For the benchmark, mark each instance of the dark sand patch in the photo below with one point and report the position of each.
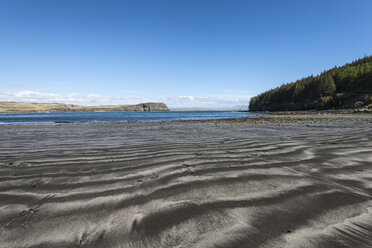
(188, 184)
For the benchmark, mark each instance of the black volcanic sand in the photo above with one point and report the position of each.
(187, 184)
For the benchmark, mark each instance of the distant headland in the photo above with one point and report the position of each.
(22, 107)
(344, 87)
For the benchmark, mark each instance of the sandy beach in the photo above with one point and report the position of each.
(264, 182)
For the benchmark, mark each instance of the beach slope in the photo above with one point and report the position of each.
(187, 184)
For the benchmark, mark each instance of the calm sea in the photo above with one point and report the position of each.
(114, 117)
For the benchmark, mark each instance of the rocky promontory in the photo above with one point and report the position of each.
(22, 107)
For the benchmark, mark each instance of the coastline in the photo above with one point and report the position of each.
(275, 118)
(293, 118)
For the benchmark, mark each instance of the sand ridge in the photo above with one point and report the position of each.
(186, 184)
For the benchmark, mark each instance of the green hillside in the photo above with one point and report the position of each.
(348, 86)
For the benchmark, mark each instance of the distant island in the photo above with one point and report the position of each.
(22, 107)
(348, 86)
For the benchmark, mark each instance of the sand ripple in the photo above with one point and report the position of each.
(186, 185)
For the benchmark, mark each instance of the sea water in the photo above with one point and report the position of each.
(115, 117)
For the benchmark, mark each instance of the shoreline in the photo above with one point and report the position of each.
(278, 118)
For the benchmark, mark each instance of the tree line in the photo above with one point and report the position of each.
(347, 86)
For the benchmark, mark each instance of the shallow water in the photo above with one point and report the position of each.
(115, 117)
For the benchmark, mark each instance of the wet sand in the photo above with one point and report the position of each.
(187, 184)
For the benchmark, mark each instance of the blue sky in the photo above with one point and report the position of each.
(186, 53)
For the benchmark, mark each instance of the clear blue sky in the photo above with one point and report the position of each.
(201, 53)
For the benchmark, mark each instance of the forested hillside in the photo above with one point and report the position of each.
(348, 86)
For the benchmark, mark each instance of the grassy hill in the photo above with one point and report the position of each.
(348, 86)
(21, 107)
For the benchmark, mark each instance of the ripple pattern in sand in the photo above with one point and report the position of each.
(185, 185)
